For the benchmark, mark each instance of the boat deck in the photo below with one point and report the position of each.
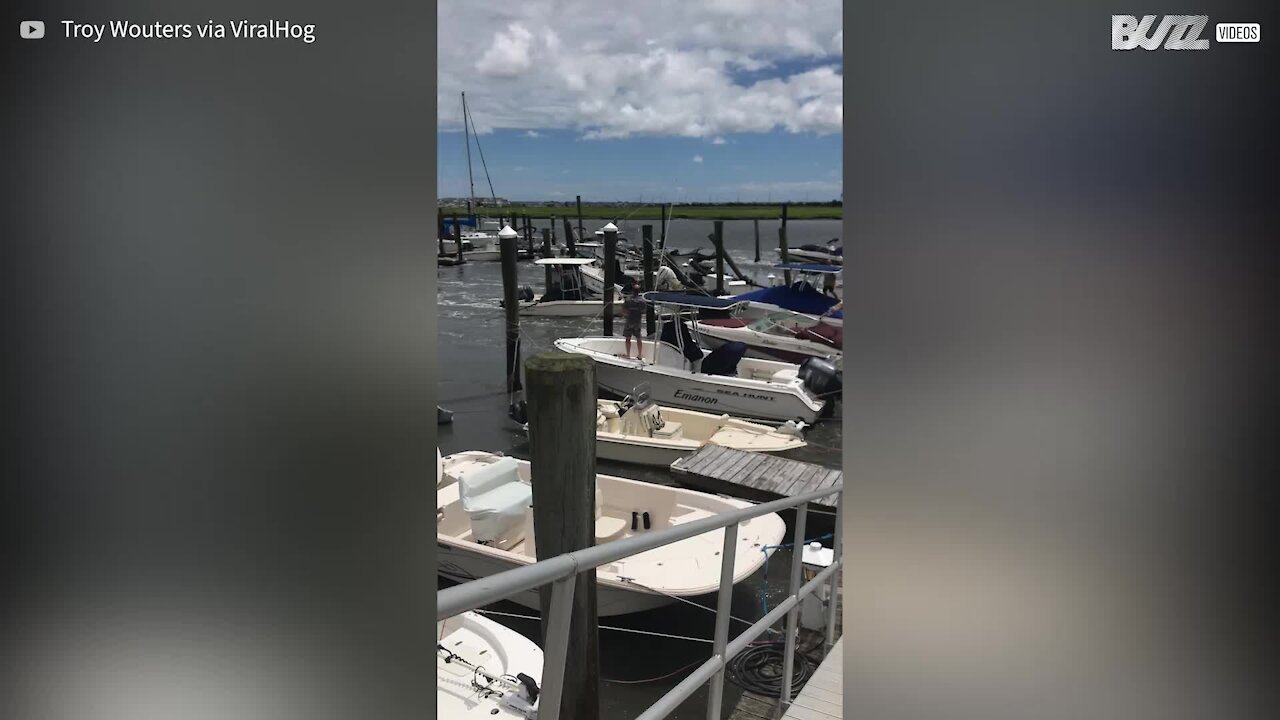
(754, 476)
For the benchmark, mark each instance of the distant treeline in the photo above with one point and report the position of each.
(831, 210)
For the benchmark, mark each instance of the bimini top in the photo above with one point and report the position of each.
(809, 267)
(804, 299)
(696, 301)
(563, 261)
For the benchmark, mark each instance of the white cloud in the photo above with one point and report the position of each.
(718, 141)
(532, 134)
(608, 70)
(697, 159)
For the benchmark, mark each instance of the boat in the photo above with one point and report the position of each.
(642, 432)
(799, 297)
(831, 254)
(485, 670)
(566, 295)
(782, 335)
(484, 525)
(680, 373)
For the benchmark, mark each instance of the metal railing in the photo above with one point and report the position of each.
(562, 572)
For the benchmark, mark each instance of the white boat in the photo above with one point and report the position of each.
(650, 434)
(593, 278)
(485, 670)
(799, 297)
(680, 373)
(832, 254)
(566, 296)
(484, 525)
(781, 335)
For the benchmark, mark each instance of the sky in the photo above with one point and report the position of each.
(655, 100)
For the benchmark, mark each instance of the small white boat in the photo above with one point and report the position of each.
(781, 335)
(799, 297)
(832, 254)
(593, 278)
(565, 297)
(680, 373)
(484, 525)
(649, 434)
(485, 670)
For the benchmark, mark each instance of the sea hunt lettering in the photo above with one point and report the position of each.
(273, 30)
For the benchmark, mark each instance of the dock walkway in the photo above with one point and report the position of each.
(754, 476)
(822, 697)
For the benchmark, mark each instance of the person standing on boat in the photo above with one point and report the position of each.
(633, 312)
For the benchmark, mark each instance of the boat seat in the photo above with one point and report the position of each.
(670, 430)
(495, 500)
(785, 375)
(609, 529)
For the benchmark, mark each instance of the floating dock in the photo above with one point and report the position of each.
(822, 697)
(754, 476)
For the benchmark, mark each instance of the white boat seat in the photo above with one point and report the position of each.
(495, 500)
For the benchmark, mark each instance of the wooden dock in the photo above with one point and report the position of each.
(754, 476)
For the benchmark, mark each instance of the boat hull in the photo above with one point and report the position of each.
(761, 345)
(460, 564)
(565, 308)
(668, 385)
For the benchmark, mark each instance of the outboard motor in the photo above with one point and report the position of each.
(821, 377)
(525, 294)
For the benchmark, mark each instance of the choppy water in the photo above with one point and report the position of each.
(472, 385)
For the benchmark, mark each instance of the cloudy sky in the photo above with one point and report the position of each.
(652, 99)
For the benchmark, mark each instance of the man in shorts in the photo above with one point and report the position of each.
(633, 314)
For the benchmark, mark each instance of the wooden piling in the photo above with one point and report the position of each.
(756, 226)
(580, 217)
(610, 273)
(562, 446)
(440, 231)
(650, 322)
(719, 243)
(457, 239)
(507, 244)
(546, 253)
(569, 249)
(782, 244)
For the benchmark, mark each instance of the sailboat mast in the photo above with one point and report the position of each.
(466, 135)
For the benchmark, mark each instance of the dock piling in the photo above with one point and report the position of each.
(580, 217)
(562, 438)
(507, 243)
(646, 232)
(569, 250)
(610, 273)
(782, 244)
(756, 226)
(718, 240)
(457, 239)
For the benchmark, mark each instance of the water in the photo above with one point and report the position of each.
(472, 385)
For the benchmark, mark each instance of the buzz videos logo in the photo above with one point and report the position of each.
(1175, 32)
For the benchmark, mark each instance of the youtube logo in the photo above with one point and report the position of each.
(31, 29)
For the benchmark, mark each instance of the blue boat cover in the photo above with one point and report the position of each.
(686, 300)
(804, 299)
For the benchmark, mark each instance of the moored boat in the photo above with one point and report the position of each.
(485, 670)
(484, 525)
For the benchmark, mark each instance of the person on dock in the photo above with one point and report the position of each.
(633, 311)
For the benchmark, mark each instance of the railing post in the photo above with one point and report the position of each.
(557, 651)
(724, 606)
(793, 615)
(833, 589)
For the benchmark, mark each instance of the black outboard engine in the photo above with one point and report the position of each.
(668, 335)
(525, 294)
(821, 377)
(724, 359)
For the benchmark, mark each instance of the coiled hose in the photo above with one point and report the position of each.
(758, 669)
